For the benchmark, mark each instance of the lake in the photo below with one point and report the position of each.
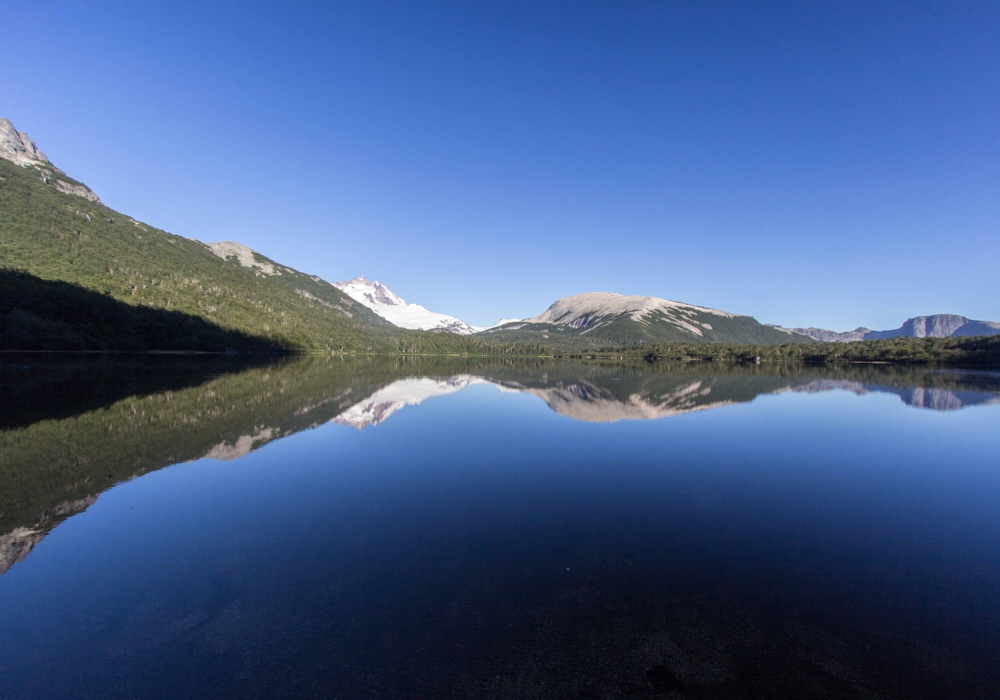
(175, 527)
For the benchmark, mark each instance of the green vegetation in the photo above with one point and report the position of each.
(58, 237)
(981, 351)
(44, 314)
(76, 275)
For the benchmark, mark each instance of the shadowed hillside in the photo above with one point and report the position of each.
(37, 314)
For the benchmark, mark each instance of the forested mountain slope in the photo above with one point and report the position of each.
(55, 235)
(126, 285)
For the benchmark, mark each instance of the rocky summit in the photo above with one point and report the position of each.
(17, 147)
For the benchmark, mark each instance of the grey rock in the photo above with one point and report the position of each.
(17, 147)
(78, 190)
(935, 326)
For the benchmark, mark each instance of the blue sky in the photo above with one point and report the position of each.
(830, 164)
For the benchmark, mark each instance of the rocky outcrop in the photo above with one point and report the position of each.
(78, 190)
(246, 257)
(17, 147)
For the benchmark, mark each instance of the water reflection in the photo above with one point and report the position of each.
(603, 394)
(463, 529)
(133, 416)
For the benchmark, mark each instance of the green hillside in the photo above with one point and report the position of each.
(131, 286)
(981, 351)
(58, 236)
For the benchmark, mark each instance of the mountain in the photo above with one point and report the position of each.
(380, 299)
(75, 274)
(936, 326)
(18, 148)
(602, 319)
(411, 391)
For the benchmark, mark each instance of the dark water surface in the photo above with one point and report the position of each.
(318, 527)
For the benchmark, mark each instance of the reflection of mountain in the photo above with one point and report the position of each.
(80, 438)
(61, 460)
(589, 403)
(599, 394)
(938, 399)
(403, 392)
(18, 543)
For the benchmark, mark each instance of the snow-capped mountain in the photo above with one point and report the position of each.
(380, 299)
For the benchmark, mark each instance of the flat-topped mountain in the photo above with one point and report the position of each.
(935, 326)
(380, 299)
(605, 319)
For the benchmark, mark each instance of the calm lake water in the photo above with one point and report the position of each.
(377, 528)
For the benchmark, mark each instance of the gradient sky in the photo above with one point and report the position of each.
(832, 164)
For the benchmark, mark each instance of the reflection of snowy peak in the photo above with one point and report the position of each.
(395, 310)
(405, 392)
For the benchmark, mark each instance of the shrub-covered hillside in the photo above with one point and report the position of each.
(213, 302)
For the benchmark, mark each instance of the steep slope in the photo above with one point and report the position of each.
(55, 229)
(602, 319)
(935, 326)
(380, 299)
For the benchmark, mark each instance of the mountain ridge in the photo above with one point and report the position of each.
(932, 326)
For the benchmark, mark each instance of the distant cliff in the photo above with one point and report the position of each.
(936, 326)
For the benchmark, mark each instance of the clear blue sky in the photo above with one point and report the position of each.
(808, 163)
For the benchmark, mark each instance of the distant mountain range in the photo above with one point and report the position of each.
(75, 274)
(936, 326)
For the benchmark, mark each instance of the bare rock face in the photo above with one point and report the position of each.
(936, 326)
(17, 147)
(78, 190)
(246, 257)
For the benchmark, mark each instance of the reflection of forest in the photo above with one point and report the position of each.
(75, 428)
